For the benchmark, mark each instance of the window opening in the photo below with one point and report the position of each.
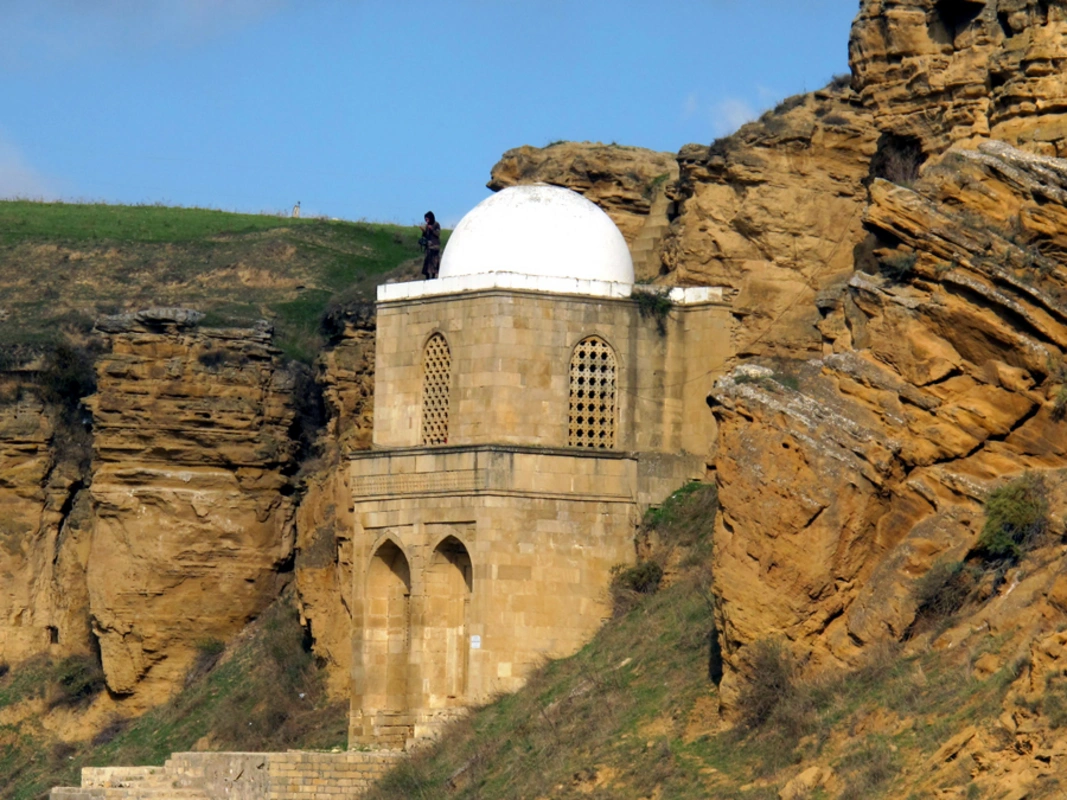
(436, 383)
(593, 395)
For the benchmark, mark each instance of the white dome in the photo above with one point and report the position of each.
(540, 230)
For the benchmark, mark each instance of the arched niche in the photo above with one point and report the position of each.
(446, 633)
(387, 630)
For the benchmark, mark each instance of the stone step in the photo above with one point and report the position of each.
(125, 793)
(123, 777)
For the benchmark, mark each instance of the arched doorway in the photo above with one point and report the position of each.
(387, 630)
(449, 582)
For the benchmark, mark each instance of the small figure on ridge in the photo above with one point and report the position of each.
(430, 241)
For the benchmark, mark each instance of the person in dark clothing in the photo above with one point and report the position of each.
(431, 241)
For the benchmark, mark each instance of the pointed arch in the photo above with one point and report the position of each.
(449, 586)
(387, 629)
(436, 389)
(593, 394)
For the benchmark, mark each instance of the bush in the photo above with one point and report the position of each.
(208, 653)
(628, 585)
(76, 681)
(841, 81)
(654, 305)
(115, 728)
(942, 591)
(1059, 405)
(898, 266)
(897, 159)
(68, 376)
(772, 681)
(868, 769)
(644, 578)
(1054, 700)
(1016, 519)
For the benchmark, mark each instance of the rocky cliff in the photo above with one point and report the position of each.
(943, 71)
(43, 533)
(894, 247)
(188, 521)
(191, 496)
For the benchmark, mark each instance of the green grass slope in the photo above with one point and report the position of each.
(633, 716)
(262, 693)
(63, 265)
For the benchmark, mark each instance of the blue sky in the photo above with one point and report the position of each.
(366, 109)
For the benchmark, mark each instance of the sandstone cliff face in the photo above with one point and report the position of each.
(193, 510)
(773, 212)
(44, 534)
(325, 520)
(191, 517)
(944, 71)
(843, 479)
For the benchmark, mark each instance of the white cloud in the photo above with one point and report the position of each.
(18, 178)
(691, 106)
(46, 31)
(768, 97)
(730, 114)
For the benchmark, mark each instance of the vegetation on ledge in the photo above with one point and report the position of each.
(64, 265)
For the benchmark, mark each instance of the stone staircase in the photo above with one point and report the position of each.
(645, 249)
(294, 775)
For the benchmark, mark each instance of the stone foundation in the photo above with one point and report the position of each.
(238, 776)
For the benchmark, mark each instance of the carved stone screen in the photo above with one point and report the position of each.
(436, 381)
(593, 395)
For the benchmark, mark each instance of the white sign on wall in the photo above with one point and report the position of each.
(476, 642)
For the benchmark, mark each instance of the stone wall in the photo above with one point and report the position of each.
(511, 377)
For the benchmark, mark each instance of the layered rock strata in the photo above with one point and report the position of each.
(44, 533)
(843, 479)
(773, 213)
(192, 504)
(944, 71)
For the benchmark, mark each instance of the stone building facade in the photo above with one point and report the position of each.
(529, 405)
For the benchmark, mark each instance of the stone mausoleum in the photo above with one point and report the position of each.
(529, 404)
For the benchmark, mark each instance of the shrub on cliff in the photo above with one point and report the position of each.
(1016, 519)
(772, 682)
(628, 585)
(941, 592)
(76, 681)
(68, 376)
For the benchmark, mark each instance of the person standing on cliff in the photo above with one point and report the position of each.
(431, 241)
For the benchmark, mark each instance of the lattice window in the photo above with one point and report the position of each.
(593, 395)
(436, 382)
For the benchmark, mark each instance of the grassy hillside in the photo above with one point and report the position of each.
(263, 692)
(633, 716)
(63, 265)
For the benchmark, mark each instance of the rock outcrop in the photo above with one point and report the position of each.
(944, 71)
(192, 502)
(843, 479)
(773, 212)
(44, 533)
(621, 180)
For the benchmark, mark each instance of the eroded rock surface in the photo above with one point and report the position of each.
(773, 213)
(193, 507)
(947, 71)
(844, 479)
(44, 533)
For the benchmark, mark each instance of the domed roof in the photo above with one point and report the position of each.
(539, 230)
